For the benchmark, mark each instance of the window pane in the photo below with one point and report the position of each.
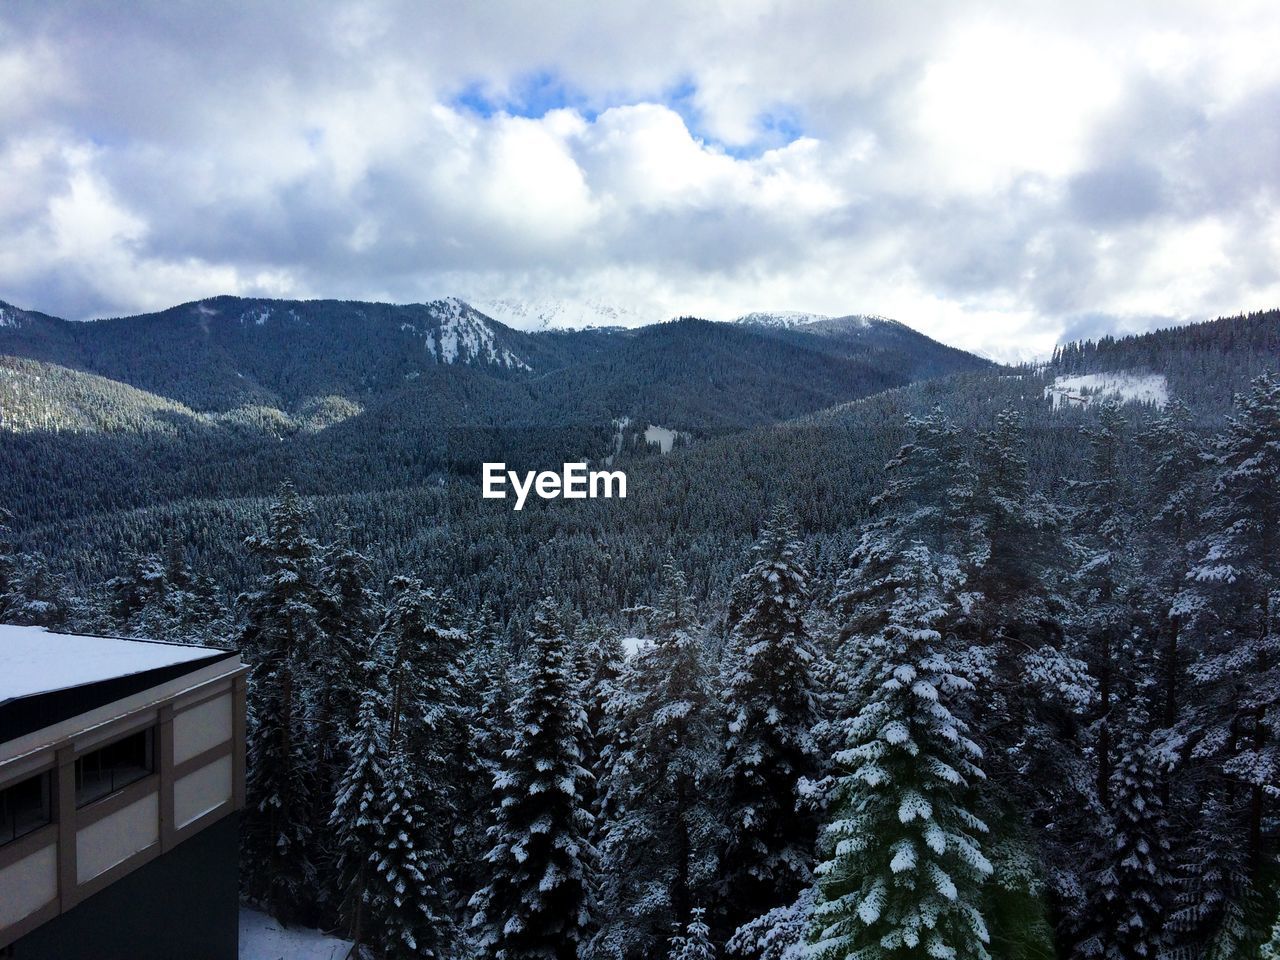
(114, 766)
(24, 807)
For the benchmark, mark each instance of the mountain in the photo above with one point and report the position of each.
(226, 397)
(409, 487)
(226, 353)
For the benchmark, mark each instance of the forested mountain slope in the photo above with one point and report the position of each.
(702, 503)
(227, 397)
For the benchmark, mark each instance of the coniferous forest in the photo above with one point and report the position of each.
(895, 653)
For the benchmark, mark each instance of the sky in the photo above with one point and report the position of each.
(999, 176)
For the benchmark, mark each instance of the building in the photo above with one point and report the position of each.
(121, 778)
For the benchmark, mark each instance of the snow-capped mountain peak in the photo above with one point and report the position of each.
(781, 319)
(548, 313)
(461, 334)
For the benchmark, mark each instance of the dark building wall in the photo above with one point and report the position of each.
(183, 905)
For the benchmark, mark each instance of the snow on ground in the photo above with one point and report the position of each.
(33, 660)
(662, 436)
(263, 938)
(1083, 389)
(633, 645)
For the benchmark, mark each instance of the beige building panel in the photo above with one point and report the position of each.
(117, 837)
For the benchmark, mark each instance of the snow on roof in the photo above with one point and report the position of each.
(33, 660)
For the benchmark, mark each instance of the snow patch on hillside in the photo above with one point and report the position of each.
(8, 318)
(263, 938)
(633, 645)
(1080, 390)
(664, 437)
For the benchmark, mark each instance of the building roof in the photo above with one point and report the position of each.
(46, 677)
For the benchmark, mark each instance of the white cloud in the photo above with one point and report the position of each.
(987, 174)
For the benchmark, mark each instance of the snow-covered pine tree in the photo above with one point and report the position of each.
(1014, 550)
(37, 596)
(537, 902)
(902, 867)
(279, 637)
(928, 484)
(1131, 881)
(348, 607)
(1105, 575)
(341, 676)
(1213, 919)
(30, 593)
(1238, 671)
(485, 706)
(8, 561)
(1271, 949)
(1032, 692)
(658, 857)
(780, 934)
(356, 821)
(407, 894)
(601, 665)
(1174, 496)
(770, 701)
(695, 942)
(419, 650)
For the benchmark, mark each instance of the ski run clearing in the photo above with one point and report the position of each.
(1083, 389)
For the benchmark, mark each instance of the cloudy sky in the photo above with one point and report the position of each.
(1000, 176)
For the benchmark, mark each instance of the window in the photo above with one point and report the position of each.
(24, 807)
(115, 766)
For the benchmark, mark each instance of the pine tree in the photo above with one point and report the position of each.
(1174, 504)
(602, 665)
(1271, 949)
(37, 596)
(1103, 574)
(278, 639)
(407, 892)
(1238, 671)
(418, 654)
(339, 677)
(537, 903)
(8, 563)
(1014, 549)
(1213, 917)
(487, 695)
(348, 607)
(355, 821)
(1131, 877)
(695, 942)
(659, 854)
(771, 707)
(902, 866)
